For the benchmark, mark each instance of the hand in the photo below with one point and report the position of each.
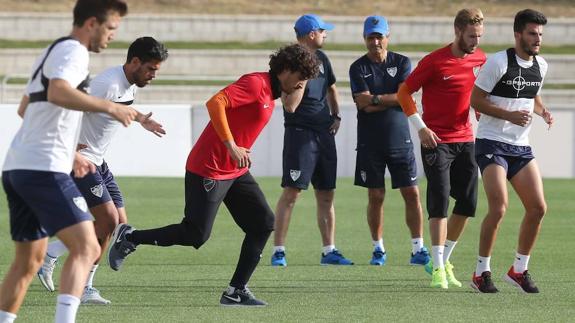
(362, 100)
(547, 117)
(152, 126)
(520, 118)
(82, 166)
(241, 155)
(334, 126)
(123, 113)
(428, 138)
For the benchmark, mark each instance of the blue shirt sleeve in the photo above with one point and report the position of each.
(356, 81)
(405, 69)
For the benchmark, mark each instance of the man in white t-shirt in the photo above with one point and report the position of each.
(117, 84)
(42, 197)
(507, 93)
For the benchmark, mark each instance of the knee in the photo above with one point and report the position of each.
(89, 250)
(537, 211)
(105, 225)
(376, 197)
(290, 196)
(497, 212)
(411, 196)
(192, 236)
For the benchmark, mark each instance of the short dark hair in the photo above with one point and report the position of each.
(147, 49)
(295, 58)
(85, 9)
(528, 16)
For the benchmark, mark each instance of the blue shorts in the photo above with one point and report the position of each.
(370, 168)
(100, 187)
(309, 155)
(511, 157)
(42, 203)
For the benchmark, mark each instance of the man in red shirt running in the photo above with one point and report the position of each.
(217, 170)
(447, 144)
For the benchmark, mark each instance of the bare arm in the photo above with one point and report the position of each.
(23, 105)
(481, 104)
(333, 102)
(62, 94)
(542, 111)
(365, 101)
(291, 101)
(150, 124)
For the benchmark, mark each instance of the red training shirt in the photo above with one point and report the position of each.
(447, 82)
(251, 104)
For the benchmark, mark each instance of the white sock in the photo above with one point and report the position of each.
(483, 265)
(7, 317)
(56, 248)
(520, 263)
(449, 246)
(437, 255)
(91, 276)
(329, 248)
(416, 245)
(66, 308)
(279, 248)
(378, 244)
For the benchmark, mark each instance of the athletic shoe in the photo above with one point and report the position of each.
(429, 267)
(483, 283)
(46, 271)
(379, 257)
(240, 297)
(420, 258)
(522, 281)
(120, 248)
(451, 280)
(279, 259)
(334, 258)
(92, 296)
(439, 279)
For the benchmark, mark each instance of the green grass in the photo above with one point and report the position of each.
(180, 284)
(359, 46)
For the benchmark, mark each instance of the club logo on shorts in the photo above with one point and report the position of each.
(363, 175)
(209, 184)
(476, 70)
(80, 203)
(392, 71)
(489, 156)
(430, 159)
(294, 174)
(97, 190)
(321, 70)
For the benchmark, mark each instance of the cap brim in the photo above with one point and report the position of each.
(326, 26)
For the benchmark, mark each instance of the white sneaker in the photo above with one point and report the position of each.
(92, 296)
(45, 272)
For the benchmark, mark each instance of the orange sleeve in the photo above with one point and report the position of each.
(217, 106)
(405, 100)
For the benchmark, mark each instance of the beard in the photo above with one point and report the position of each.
(465, 48)
(527, 49)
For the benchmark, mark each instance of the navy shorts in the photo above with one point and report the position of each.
(511, 157)
(100, 187)
(309, 155)
(370, 168)
(451, 170)
(42, 203)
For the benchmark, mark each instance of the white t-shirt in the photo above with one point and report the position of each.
(498, 129)
(47, 138)
(99, 128)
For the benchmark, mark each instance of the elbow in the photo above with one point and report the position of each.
(290, 109)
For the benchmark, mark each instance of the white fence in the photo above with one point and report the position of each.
(136, 152)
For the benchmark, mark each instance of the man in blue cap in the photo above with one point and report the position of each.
(309, 153)
(383, 138)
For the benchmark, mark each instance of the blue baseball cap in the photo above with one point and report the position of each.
(308, 23)
(375, 24)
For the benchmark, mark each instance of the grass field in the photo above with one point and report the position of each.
(180, 284)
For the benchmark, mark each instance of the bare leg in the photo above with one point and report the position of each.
(326, 216)
(495, 185)
(284, 210)
(376, 197)
(413, 211)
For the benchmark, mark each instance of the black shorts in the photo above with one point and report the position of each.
(511, 157)
(100, 187)
(370, 168)
(309, 155)
(242, 196)
(451, 170)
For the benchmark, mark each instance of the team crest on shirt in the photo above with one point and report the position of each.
(363, 175)
(489, 156)
(294, 174)
(392, 71)
(476, 70)
(209, 184)
(80, 203)
(321, 70)
(97, 190)
(430, 158)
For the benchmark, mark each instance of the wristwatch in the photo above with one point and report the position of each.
(375, 100)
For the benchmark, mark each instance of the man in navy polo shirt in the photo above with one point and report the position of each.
(309, 152)
(383, 138)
